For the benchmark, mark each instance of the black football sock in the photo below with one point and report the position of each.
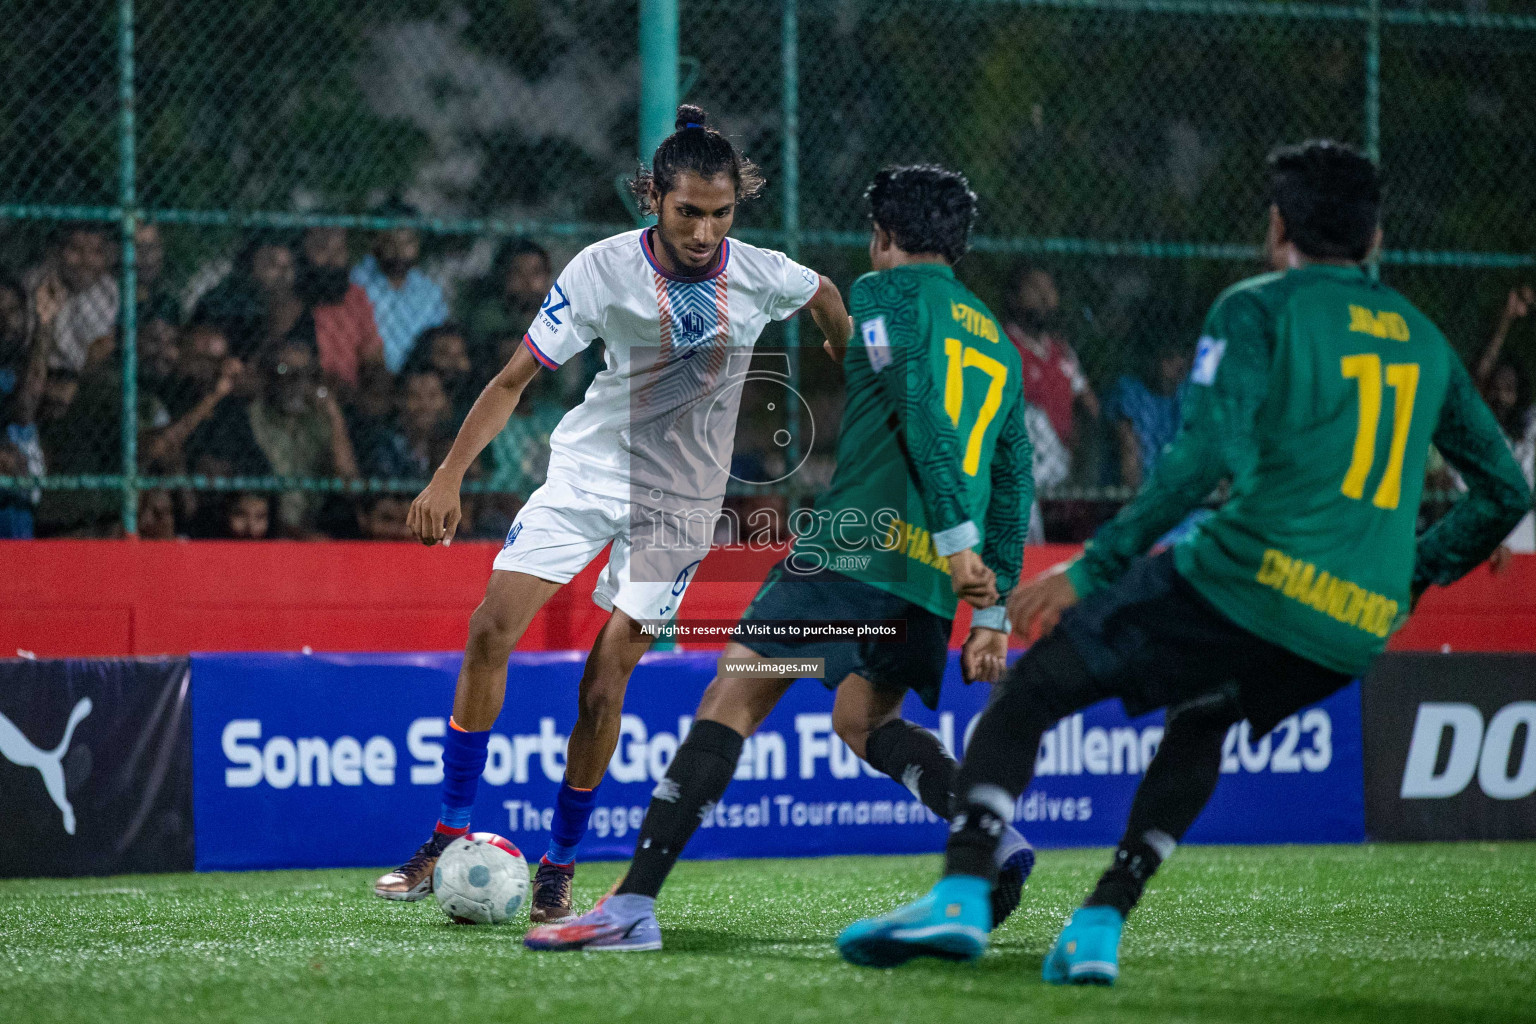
(694, 782)
(1043, 686)
(914, 757)
(1178, 784)
(1136, 858)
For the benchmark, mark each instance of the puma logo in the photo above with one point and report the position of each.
(17, 749)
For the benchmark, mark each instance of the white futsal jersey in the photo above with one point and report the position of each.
(658, 423)
(657, 426)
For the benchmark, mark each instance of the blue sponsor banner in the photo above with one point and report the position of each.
(335, 760)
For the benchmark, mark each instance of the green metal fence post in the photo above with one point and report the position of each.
(658, 73)
(1373, 99)
(658, 104)
(127, 199)
(789, 46)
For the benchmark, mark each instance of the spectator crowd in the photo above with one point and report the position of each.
(308, 357)
(300, 361)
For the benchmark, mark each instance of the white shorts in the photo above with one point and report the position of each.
(563, 528)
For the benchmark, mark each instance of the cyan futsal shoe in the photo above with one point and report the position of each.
(1087, 952)
(950, 923)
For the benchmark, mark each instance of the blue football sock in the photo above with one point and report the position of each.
(463, 760)
(572, 809)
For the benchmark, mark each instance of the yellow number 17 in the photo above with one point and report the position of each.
(960, 357)
(1403, 379)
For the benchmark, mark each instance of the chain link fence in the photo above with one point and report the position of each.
(334, 222)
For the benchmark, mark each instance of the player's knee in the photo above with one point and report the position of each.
(492, 635)
(852, 727)
(601, 699)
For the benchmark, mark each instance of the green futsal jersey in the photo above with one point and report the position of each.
(932, 454)
(1318, 392)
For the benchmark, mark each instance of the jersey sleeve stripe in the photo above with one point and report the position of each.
(543, 359)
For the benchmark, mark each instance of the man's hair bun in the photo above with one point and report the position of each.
(690, 116)
(697, 148)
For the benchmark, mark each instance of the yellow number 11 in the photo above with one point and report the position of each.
(1403, 379)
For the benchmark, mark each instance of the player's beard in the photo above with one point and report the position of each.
(679, 259)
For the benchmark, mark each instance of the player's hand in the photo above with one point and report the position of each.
(1039, 603)
(434, 515)
(984, 656)
(971, 580)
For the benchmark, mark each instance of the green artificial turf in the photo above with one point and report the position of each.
(1313, 934)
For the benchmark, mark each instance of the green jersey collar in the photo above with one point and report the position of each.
(1353, 272)
(939, 269)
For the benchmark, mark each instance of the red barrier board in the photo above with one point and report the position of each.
(103, 598)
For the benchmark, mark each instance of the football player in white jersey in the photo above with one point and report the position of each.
(641, 463)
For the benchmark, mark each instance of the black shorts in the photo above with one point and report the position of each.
(916, 663)
(1152, 640)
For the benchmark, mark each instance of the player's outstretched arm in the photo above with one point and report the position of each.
(831, 316)
(434, 515)
(1497, 496)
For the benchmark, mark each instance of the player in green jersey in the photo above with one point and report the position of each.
(933, 463)
(1317, 391)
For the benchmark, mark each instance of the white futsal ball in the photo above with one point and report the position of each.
(481, 879)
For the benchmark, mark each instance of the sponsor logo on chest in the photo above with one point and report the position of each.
(694, 315)
(690, 328)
